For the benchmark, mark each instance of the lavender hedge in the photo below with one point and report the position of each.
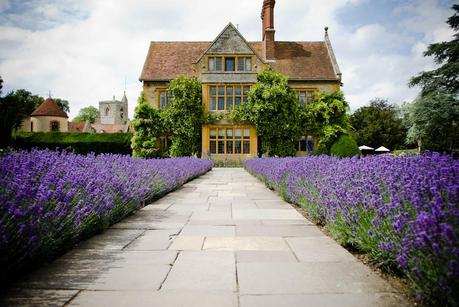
(50, 200)
(402, 211)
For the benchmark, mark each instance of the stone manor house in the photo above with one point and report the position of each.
(228, 66)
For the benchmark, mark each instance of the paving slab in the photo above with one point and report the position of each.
(115, 239)
(278, 230)
(245, 243)
(208, 230)
(183, 242)
(37, 297)
(153, 240)
(308, 277)
(318, 249)
(265, 256)
(324, 300)
(209, 270)
(267, 214)
(161, 298)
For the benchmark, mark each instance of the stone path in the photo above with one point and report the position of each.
(221, 240)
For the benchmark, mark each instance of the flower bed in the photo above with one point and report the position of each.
(51, 200)
(402, 211)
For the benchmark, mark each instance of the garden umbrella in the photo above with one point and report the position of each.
(364, 147)
(382, 149)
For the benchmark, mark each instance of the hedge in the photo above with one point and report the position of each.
(81, 143)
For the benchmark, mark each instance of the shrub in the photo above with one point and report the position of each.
(345, 146)
(81, 143)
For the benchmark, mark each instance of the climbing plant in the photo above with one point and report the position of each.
(274, 110)
(185, 116)
(148, 124)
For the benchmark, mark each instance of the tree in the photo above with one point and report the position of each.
(378, 125)
(185, 116)
(89, 113)
(148, 124)
(445, 78)
(345, 146)
(63, 104)
(274, 110)
(329, 119)
(15, 106)
(433, 121)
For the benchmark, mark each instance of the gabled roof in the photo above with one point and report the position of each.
(228, 42)
(49, 108)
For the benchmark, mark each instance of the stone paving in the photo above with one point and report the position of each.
(223, 239)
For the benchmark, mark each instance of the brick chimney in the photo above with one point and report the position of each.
(267, 22)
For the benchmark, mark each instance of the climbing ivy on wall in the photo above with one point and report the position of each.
(274, 110)
(185, 116)
(148, 124)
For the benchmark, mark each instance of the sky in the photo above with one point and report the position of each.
(86, 51)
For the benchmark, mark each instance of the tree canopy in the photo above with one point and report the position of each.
(274, 110)
(378, 125)
(433, 122)
(88, 113)
(444, 78)
(15, 106)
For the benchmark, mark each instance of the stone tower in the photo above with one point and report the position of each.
(114, 112)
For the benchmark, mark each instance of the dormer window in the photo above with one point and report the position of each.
(121, 113)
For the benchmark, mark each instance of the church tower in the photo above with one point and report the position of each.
(114, 112)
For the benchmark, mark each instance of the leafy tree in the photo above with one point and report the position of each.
(185, 116)
(148, 124)
(345, 146)
(329, 119)
(89, 113)
(15, 106)
(274, 110)
(445, 78)
(433, 121)
(378, 125)
(63, 104)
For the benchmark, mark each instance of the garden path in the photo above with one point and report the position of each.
(223, 239)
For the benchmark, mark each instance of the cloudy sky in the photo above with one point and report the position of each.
(84, 50)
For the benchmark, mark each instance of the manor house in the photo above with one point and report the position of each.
(228, 66)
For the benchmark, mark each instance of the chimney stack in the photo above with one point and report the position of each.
(267, 22)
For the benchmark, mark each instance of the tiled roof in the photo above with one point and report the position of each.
(76, 127)
(108, 128)
(168, 60)
(296, 60)
(49, 108)
(301, 60)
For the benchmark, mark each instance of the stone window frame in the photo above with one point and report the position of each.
(308, 92)
(163, 92)
(218, 135)
(244, 89)
(247, 61)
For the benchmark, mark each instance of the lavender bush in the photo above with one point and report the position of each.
(50, 200)
(402, 211)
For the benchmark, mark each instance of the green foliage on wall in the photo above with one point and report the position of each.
(274, 110)
(82, 143)
(185, 116)
(148, 124)
(88, 113)
(345, 146)
(329, 119)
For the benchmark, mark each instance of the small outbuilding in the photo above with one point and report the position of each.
(48, 117)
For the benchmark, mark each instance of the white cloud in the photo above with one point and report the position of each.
(82, 51)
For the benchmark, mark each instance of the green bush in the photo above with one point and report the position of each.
(81, 143)
(345, 146)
